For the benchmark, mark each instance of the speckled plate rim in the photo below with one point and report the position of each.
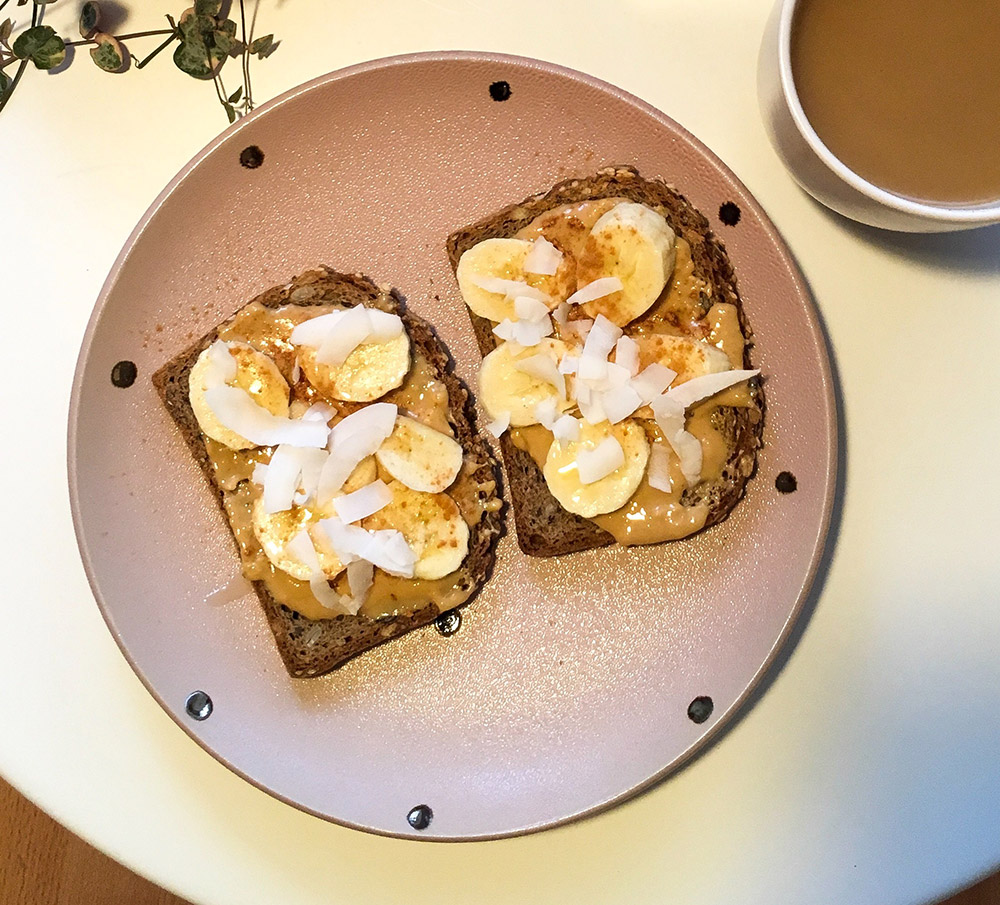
(808, 310)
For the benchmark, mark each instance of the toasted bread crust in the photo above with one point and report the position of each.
(544, 528)
(311, 647)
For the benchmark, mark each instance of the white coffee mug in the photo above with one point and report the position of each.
(819, 172)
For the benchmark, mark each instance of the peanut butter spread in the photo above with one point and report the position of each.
(651, 515)
(421, 396)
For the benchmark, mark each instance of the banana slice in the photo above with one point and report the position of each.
(504, 388)
(607, 493)
(636, 245)
(255, 373)
(688, 357)
(364, 473)
(370, 371)
(504, 259)
(274, 530)
(432, 525)
(422, 458)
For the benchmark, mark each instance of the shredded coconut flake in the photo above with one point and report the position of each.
(352, 507)
(658, 472)
(590, 404)
(619, 402)
(498, 426)
(336, 335)
(688, 450)
(386, 549)
(505, 329)
(301, 548)
(351, 331)
(328, 597)
(627, 354)
(698, 388)
(527, 308)
(524, 333)
(352, 439)
(651, 381)
(600, 341)
(595, 464)
(546, 412)
(284, 471)
(360, 576)
(569, 364)
(595, 290)
(319, 411)
(221, 364)
(236, 410)
(531, 333)
(509, 288)
(544, 368)
(669, 415)
(566, 429)
(543, 258)
(313, 331)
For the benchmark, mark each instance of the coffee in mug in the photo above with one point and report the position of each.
(906, 93)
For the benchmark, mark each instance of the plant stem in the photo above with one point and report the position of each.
(9, 93)
(146, 34)
(138, 34)
(247, 92)
(163, 46)
(217, 81)
(3, 4)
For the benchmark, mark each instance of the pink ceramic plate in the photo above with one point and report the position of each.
(572, 683)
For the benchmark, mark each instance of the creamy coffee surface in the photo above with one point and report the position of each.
(905, 92)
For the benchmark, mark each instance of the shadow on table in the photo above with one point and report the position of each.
(974, 250)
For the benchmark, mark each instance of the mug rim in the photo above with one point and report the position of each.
(943, 211)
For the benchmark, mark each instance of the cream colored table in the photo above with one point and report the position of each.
(868, 771)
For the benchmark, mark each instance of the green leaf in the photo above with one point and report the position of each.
(230, 112)
(6, 27)
(193, 54)
(192, 26)
(261, 46)
(108, 54)
(90, 17)
(207, 7)
(224, 38)
(42, 46)
(205, 44)
(190, 57)
(4, 81)
(234, 98)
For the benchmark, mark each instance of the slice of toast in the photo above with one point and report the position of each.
(544, 527)
(311, 647)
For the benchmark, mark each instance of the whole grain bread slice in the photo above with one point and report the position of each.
(311, 647)
(543, 527)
